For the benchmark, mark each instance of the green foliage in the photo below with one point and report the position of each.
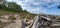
(11, 6)
(1, 0)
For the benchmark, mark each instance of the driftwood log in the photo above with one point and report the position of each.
(42, 22)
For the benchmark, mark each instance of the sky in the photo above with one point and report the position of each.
(39, 6)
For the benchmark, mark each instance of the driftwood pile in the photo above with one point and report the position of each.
(41, 22)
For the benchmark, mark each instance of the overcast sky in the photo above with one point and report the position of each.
(37, 6)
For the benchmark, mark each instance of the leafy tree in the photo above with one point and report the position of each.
(11, 6)
(14, 7)
(1, 0)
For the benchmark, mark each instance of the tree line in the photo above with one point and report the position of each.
(11, 6)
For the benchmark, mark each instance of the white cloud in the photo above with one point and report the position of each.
(36, 6)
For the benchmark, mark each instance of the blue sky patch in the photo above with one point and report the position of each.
(37, 6)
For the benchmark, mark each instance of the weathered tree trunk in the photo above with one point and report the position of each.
(40, 22)
(23, 24)
(36, 23)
